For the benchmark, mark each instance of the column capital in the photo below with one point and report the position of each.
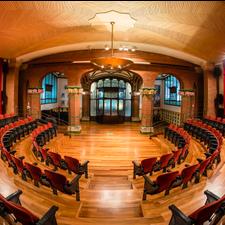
(74, 89)
(36, 90)
(148, 91)
(187, 92)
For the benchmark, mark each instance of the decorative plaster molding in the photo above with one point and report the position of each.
(74, 89)
(148, 91)
(186, 92)
(36, 90)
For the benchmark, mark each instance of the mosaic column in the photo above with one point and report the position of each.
(74, 108)
(135, 106)
(187, 104)
(86, 106)
(147, 109)
(34, 102)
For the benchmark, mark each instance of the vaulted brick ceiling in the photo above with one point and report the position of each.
(193, 27)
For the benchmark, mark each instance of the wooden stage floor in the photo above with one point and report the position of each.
(110, 195)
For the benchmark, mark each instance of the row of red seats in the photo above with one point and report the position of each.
(13, 212)
(149, 165)
(214, 148)
(167, 181)
(7, 115)
(48, 178)
(58, 181)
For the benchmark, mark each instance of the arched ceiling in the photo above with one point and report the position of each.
(188, 28)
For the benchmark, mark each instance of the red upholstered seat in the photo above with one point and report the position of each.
(18, 163)
(148, 164)
(203, 166)
(165, 181)
(44, 153)
(55, 157)
(58, 181)
(187, 174)
(21, 214)
(35, 172)
(176, 156)
(163, 162)
(204, 213)
(72, 164)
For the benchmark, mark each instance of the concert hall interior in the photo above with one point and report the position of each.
(112, 112)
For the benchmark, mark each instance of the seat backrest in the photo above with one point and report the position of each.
(55, 157)
(34, 170)
(57, 180)
(204, 213)
(18, 162)
(165, 180)
(187, 173)
(147, 164)
(21, 214)
(176, 155)
(72, 163)
(203, 165)
(164, 159)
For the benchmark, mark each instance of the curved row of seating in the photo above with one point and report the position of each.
(6, 119)
(56, 181)
(216, 122)
(176, 135)
(166, 182)
(211, 137)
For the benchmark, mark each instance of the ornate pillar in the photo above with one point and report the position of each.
(34, 102)
(135, 106)
(147, 109)
(187, 104)
(86, 106)
(74, 108)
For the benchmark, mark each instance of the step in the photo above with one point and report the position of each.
(111, 210)
(110, 183)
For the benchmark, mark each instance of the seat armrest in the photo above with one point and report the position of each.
(199, 160)
(15, 197)
(75, 180)
(49, 217)
(207, 154)
(84, 163)
(22, 157)
(136, 163)
(178, 217)
(12, 152)
(148, 181)
(211, 197)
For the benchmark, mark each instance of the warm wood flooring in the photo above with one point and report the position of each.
(110, 195)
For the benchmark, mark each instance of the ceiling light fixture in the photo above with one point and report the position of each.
(111, 63)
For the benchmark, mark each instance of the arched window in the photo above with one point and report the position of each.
(171, 90)
(49, 85)
(111, 97)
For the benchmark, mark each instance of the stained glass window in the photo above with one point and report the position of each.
(111, 97)
(171, 90)
(49, 85)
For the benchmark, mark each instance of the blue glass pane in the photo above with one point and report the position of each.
(128, 91)
(121, 84)
(93, 107)
(93, 90)
(114, 83)
(100, 83)
(121, 93)
(107, 82)
(49, 85)
(114, 107)
(128, 108)
(107, 107)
